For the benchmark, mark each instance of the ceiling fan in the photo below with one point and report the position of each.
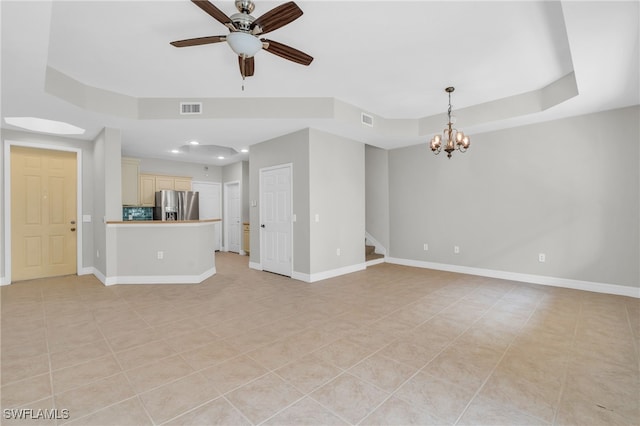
(244, 30)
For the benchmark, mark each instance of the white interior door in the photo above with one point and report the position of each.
(210, 200)
(275, 219)
(233, 216)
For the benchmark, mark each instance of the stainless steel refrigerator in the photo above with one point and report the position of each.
(188, 205)
(176, 205)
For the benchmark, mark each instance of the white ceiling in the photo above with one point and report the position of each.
(392, 59)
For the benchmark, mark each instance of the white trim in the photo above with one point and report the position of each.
(318, 276)
(255, 265)
(225, 216)
(160, 279)
(7, 200)
(260, 229)
(4, 281)
(620, 290)
(379, 247)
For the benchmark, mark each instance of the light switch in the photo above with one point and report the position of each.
(317, 217)
(86, 218)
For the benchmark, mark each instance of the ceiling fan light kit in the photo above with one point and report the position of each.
(453, 138)
(244, 44)
(244, 30)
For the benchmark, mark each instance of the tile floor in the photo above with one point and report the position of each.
(391, 345)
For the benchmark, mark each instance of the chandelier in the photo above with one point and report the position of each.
(453, 138)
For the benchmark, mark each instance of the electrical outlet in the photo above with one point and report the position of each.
(338, 252)
(160, 255)
(542, 257)
(456, 249)
(426, 246)
(97, 253)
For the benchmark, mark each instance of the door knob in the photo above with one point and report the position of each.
(73, 222)
(73, 229)
(262, 226)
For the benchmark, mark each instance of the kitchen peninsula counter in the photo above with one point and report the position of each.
(160, 252)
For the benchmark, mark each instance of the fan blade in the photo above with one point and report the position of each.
(216, 13)
(249, 66)
(276, 18)
(286, 52)
(198, 41)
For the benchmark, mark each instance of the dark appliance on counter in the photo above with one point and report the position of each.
(176, 205)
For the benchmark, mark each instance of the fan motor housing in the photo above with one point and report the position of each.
(242, 21)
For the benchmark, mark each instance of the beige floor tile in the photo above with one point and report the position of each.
(536, 398)
(233, 373)
(406, 351)
(308, 373)
(191, 340)
(130, 340)
(441, 398)
(94, 396)
(342, 353)
(383, 372)
(564, 355)
(263, 397)
(81, 374)
(216, 412)
(577, 410)
(395, 411)
(158, 373)
(305, 412)
(78, 355)
(277, 354)
(23, 368)
(38, 413)
(176, 398)
(208, 355)
(144, 354)
(24, 391)
(349, 397)
(485, 412)
(126, 413)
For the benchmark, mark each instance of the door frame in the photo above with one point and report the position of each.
(260, 230)
(225, 214)
(6, 250)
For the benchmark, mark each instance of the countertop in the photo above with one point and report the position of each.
(158, 222)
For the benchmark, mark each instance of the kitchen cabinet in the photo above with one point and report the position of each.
(149, 184)
(147, 190)
(165, 182)
(245, 239)
(130, 176)
(182, 184)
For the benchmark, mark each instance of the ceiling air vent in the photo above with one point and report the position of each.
(366, 119)
(190, 108)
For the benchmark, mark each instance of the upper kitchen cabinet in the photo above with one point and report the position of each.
(149, 184)
(147, 190)
(182, 184)
(130, 176)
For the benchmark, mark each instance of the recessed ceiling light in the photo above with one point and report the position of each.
(220, 157)
(175, 151)
(45, 126)
(244, 150)
(194, 143)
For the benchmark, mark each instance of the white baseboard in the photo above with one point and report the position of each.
(86, 271)
(255, 265)
(4, 281)
(620, 290)
(318, 276)
(162, 279)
